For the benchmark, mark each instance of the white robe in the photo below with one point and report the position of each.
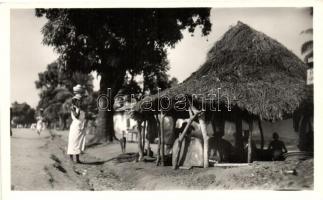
(76, 137)
(40, 124)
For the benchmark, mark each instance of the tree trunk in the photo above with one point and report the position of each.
(60, 119)
(105, 128)
(109, 87)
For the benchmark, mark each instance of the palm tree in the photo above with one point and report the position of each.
(307, 47)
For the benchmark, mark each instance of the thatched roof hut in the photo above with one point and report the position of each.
(250, 73)
(257, 73)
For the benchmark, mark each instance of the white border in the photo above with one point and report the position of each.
(5, 101)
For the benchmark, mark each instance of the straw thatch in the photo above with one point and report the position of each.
(256, 73)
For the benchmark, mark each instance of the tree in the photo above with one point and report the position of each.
(56, 87)
(154, 78)
(113, 42)
(22, 113)
(307, 47)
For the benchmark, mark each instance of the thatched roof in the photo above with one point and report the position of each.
(257, 73)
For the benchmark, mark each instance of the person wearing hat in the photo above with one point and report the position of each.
(76, 137)
(40, 122)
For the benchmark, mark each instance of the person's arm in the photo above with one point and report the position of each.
(76, 112)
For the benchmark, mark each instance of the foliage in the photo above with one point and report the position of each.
(154, 79)
(307, 47)
(110, 39)
(22, 113)
(113, 42)
(56, 87)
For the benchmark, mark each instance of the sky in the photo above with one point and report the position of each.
(30, 57)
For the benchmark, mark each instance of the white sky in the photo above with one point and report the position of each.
(29, 56)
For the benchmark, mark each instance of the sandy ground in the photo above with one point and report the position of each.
(40, 163)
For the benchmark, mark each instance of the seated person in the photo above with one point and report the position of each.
(277, 148)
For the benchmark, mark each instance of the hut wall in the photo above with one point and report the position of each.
(284, 128)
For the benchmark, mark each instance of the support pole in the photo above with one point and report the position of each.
(174, 126)
(162, 142)
(144, 135)
(238, 138)
(202, 123)
(140, 150)
(148, 148)
(159, 142)
(262, 140)
(250, 150)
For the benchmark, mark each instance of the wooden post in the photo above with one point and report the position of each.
(140, 150)
(144, 135)
(202, 123)
(132, 136)
(174, 124)
(162, 142)
(238, 137)
(250, 150)
(148, 148)
(262, 140)
(159, 142)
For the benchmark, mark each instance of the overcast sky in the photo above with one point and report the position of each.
(29, 56)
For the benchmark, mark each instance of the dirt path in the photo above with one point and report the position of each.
(35, 164)
(40, 163)
(28, 160)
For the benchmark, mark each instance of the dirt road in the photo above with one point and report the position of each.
(40, 163)
(28, 160)
(35, 166)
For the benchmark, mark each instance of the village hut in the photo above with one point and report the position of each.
(254, 77)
